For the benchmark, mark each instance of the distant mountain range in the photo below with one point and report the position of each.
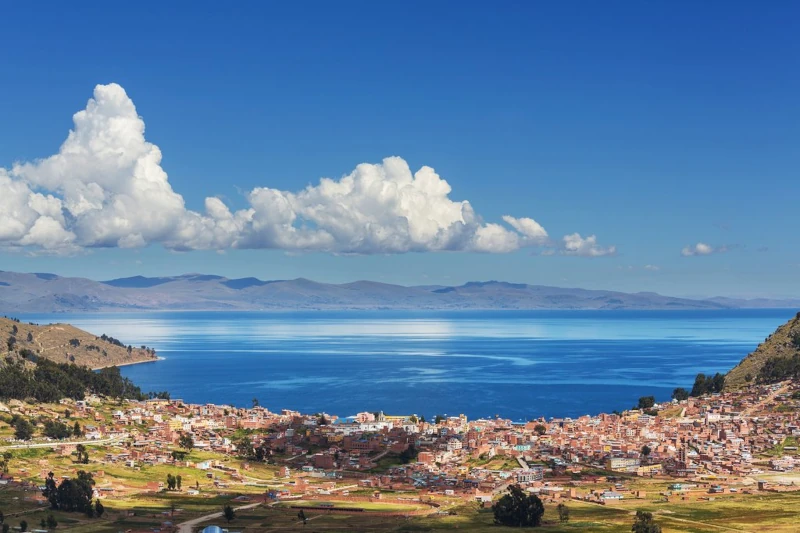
(45, 293)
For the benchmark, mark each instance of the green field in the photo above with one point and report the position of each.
(767, 512)
(367, 506)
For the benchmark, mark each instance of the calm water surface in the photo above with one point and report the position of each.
(519, 364)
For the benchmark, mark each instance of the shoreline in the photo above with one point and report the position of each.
(130, 363)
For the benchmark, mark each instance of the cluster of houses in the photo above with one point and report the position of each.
(722, 436)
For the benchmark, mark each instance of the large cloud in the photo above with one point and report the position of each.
(106, 188)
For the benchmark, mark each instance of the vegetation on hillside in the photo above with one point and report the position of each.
(707, 384)
(50, 382)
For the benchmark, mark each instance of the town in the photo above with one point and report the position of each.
(697, 450)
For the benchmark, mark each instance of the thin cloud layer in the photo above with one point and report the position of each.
(106, 188)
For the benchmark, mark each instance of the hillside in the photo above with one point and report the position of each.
(777, 350)
(48, 293)
(62, 343)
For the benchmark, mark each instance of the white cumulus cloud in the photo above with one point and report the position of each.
(574, 244)
(106, 188)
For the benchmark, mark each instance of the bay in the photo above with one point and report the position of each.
(516, 364)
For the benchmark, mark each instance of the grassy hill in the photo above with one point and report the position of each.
(779, 348)
(63, 343)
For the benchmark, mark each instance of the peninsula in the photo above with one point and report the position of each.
(63, 343)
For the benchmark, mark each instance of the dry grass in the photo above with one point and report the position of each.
(779, 344)
(52, 342)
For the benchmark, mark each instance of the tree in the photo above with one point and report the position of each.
(72, 495)
(5, 461)
(178, 481)
(81, 454)
(178, 455)
(437, 419)
(646, 450)
(540, 429)
(409, 454)
(517, 509)
(796, 338)
(6, 528)
(52, 523)
(23, 526)
(708, 384)
(30, 337)
(229, 513)
(563, 513)
(50, 490)
(186, 442)
(43, 523)
(699, 387)
(23, 430)
(76, 430)
(99, 509)
(643, 523)
(56, 430)
(171, 481)
(718, 382)
(680, 394)
(244, 448)
(255, 402)
(646, 402)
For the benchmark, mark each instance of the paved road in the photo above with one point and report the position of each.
(55, 443)
(188, 526)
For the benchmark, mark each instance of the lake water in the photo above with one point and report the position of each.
(518, 364)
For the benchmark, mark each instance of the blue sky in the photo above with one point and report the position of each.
(654, 126)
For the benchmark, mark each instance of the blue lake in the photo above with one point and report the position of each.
(518, 364)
